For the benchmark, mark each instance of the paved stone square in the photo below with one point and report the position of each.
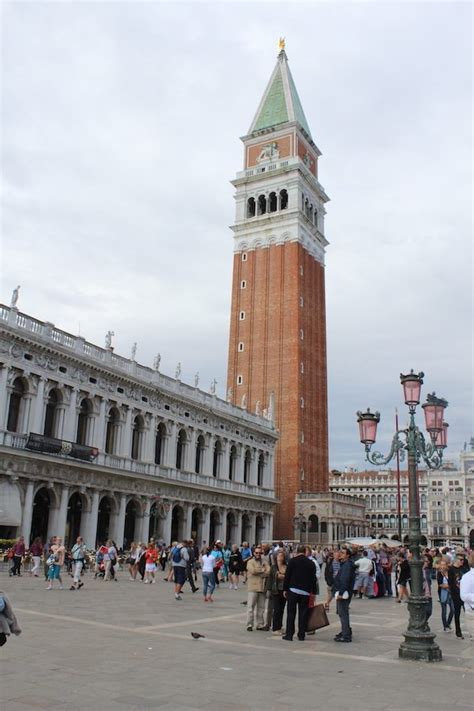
(127, 645)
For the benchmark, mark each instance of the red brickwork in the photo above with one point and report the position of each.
(283, 333)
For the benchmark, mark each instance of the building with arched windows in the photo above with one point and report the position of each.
(97, 444)
(378, 490)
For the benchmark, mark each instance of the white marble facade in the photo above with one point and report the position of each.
(174, 461)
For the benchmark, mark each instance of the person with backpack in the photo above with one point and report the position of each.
(78, 556)
(179, 559)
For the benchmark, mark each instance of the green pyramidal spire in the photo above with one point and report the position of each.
(280, 102)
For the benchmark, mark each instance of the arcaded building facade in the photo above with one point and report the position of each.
(277, 345)
(97, 444)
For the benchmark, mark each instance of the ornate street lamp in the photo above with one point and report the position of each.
(419, 640)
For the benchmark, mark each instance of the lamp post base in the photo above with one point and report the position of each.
(420, 647)
(419, 641)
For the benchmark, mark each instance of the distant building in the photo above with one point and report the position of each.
(467, 467)
(451, 501)
(328, 518)
(121, 450)
(379, 492)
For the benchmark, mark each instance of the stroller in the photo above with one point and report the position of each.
(99, 566)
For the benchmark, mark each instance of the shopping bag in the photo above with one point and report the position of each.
(317, 618)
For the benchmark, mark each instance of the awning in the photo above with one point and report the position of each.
(10, 505)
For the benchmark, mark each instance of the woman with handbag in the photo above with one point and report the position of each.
(275, 585)
(455, 573)
(132, 561)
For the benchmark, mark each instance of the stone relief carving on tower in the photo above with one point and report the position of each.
(269, 152)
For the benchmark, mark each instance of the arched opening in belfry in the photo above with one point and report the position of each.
(262, 204)
(283, 199)
(272, 202)
(251, 207)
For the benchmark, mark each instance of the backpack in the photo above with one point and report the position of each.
(176, 557)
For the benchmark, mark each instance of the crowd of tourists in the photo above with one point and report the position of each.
(280, 580)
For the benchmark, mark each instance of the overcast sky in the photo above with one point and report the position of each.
(120, 133)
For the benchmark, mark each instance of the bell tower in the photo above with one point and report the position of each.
(277, 344)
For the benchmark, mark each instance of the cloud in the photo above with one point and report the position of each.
(120, 126)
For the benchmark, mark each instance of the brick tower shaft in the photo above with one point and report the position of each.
(277, 344)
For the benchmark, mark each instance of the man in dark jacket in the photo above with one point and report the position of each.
(343, 587)
(300, 581)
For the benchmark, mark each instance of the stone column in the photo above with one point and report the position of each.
(241, 464)
(223, 524)
(39, 409)
(188, 520)
(25, 416)
(99, 430)
(27, 513)
(270, 527)
(149, 444)
(53, 512)
(252, 528)
(167, 525)
(170, 447)
(238, 529)
(62, 513)
(70, 425)
(127, 435)
(4, 397)
(205, 525)
(89, 528)
(119, 522)
(254, 468)
(223, 471)
(59, 422)
(191, 452)
(145, 522)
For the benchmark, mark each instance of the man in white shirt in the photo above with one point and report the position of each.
(466, 591)
(364, 568)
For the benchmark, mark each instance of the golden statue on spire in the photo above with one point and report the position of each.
(281, 44)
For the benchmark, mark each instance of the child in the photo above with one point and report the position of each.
(151, 557)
